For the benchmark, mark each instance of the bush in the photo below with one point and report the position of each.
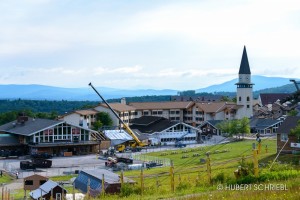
(183, 186)
(247, 180)
(280, 167)
(129, 189)
(219, 178)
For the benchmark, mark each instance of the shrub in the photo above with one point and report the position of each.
(183, 186)
(280, 167)
(129, 189)
(247, 180)
(219, 178)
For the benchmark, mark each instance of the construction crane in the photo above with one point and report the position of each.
(178, 142)
(137, 143)
(296, 83)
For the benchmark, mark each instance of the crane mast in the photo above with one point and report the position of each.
(126, 127)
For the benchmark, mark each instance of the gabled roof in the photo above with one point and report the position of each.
(214, 107)
(145, 120)
(86, 112)
(263, 123)
(35, 176)
(156, 126)
(33, 125)
(213, 123)
(80, 112)
(162, 105)
(244, 67)
(270, 98)
(44, 189)
(119, 107)
(109, 177)
(117, 136)
(289, 123)
(29, 127)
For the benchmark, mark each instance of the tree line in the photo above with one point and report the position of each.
(44, 106)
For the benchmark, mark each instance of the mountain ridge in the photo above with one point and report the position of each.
(44, 92)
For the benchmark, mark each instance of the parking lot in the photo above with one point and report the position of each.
(68, 165)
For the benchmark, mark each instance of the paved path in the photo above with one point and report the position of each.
(15, 185)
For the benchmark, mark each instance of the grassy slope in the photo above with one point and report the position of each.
(190, 172)
(191, 177)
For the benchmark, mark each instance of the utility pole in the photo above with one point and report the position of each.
(255, 160)
(172, 176)
(122, 178)
(88, 189)
(208, 168)
(142, 181)
(103, 186)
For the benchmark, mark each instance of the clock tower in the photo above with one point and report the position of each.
(244, 93)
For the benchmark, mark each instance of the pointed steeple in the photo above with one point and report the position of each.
(244, 67)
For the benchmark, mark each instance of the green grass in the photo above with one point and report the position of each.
(191, 178)
(5, 178)
(190, 175)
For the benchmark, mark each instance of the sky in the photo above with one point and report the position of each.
(135, 44)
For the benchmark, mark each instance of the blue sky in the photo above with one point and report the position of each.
(163, 44)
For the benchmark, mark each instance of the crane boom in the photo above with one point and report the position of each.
(296, 83)
(126, 127)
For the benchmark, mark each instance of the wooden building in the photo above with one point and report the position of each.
(48, 189)
(91, 181)
(34, 182)
(285, 141)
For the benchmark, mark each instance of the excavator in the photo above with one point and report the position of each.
(134, 145)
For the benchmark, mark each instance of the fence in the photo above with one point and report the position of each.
(145, 158)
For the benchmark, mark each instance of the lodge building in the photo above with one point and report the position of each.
(51, 136)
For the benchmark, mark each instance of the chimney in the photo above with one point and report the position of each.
(21, 119)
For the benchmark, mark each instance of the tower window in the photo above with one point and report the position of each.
(240, 98)
(248, 106)
(248, 98)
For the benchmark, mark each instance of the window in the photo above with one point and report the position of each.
(283, 137)
(248, 106)
(29, 182)
(58, 196)
(248, 98)
(204, 130)
(240, 98)
(42, 182)
(146, 113)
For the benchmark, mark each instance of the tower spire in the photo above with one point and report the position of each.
(244, 67)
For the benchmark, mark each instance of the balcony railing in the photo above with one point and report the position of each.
(62, 143)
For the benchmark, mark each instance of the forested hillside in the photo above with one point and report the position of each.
(59, 107)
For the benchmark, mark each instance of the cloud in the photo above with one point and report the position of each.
(162, 44)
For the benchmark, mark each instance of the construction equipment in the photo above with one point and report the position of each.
(296, 83)
(121, 147)
(36, 163)
(178, 142)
